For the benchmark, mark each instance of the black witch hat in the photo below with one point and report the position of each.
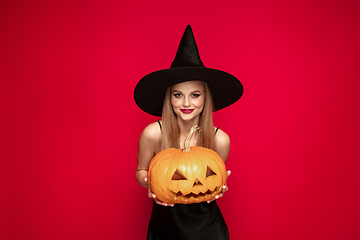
(187, 66)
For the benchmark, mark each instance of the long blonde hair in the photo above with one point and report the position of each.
(170, 137)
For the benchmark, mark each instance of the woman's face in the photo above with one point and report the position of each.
(187, 99)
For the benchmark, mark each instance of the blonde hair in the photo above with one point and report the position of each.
(170, 137)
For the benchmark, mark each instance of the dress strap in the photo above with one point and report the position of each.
(216, 131)
(160, 125)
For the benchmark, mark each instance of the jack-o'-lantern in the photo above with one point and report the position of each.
(188, 175)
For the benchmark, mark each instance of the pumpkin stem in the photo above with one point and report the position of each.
(188, 137)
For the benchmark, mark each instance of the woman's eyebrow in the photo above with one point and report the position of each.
(195, 91)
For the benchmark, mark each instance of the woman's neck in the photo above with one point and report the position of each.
(185, 126)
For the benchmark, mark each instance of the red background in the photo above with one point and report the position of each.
(69, 125)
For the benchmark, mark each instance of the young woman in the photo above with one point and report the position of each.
(185, 96)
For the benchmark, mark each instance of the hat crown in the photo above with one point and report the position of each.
(187, 54)
(150, 91)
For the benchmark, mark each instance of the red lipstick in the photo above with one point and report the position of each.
(187, 111)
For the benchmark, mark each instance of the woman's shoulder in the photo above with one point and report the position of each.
(221, 138)
(222, 144)
(220, 135)
(152, 131)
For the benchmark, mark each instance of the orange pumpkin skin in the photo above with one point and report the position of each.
(203, 175)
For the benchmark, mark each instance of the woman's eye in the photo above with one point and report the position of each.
(177, 95)
(195, 95)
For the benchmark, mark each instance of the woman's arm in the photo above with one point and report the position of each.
(148, 141)
(222, 147)
(222, 144)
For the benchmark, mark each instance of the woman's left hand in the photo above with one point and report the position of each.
(224, 188)
(153, 196)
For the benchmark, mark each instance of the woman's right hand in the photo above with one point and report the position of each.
(153, 196)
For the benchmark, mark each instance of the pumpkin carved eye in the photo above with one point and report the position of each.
(178, 175)
(209, 172)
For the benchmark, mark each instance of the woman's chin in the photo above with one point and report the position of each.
(188, 117)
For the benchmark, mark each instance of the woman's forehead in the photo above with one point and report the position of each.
(189, 86)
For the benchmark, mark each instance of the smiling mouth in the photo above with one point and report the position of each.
(197, 197)
(187, 111)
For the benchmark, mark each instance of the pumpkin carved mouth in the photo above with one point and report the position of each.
(197, 197)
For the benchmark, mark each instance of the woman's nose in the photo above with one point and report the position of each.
(186, 102)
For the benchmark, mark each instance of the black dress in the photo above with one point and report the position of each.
(195, 221)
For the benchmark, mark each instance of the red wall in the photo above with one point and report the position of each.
(69, 125)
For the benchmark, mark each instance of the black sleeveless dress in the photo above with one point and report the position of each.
(197, 221)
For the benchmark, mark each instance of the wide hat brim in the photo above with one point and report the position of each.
(150, 91)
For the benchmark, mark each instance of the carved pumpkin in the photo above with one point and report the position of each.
(186, 176)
